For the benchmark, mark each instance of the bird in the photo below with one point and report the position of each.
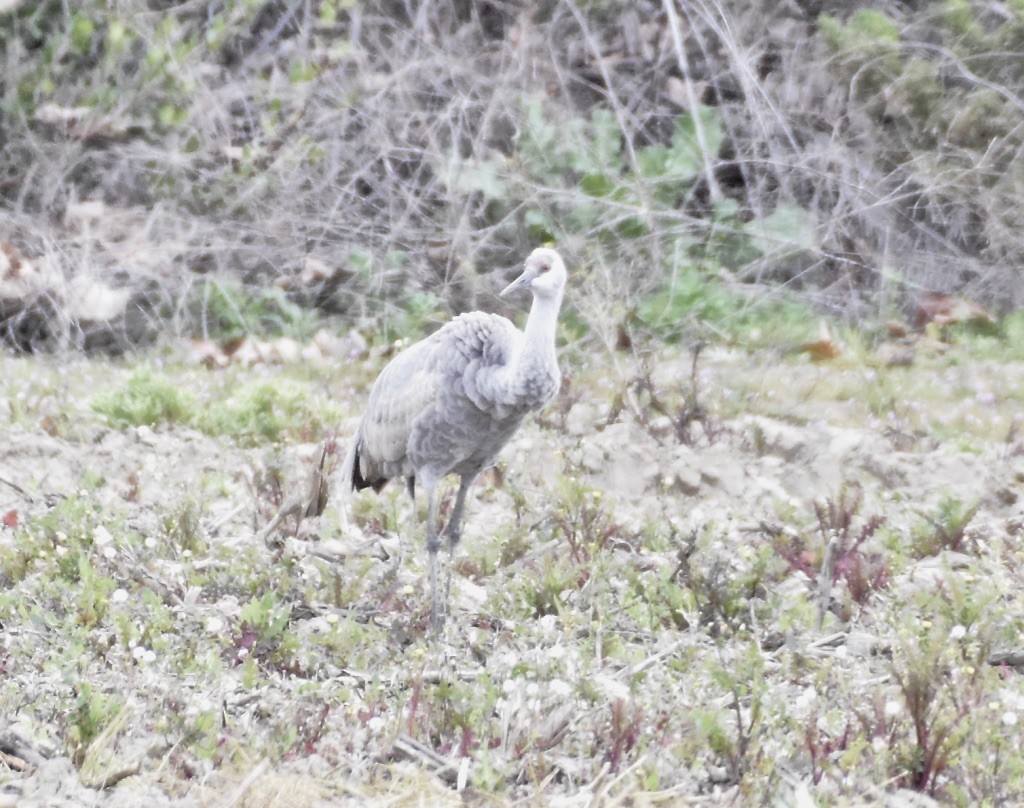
(449, 403)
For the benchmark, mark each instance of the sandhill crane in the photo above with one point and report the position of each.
(448, 404)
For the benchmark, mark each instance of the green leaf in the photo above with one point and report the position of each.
(539, 225)
(597, 185)
(328, 13)
(788, 229)
(583, 216)
(299, 72)
(607, 139)
(117, 36)
(470, 176)
(652, 160)
(696, 142)
(539, 137)
(82, 29)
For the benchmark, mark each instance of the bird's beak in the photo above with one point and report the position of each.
(520, 282)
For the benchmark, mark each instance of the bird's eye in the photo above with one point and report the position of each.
(543, 268)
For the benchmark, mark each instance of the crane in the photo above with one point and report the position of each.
(449, 403)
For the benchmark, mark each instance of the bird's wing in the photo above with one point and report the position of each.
(487, 344)
(405, 388)
(450, 369)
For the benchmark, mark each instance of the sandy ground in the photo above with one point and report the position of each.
(621, 503)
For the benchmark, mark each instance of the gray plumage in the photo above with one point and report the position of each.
(448, 404)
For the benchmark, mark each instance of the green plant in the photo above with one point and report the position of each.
(146, 398)
(935, 712)
(268, 411)
(226, 310)
(262, 635)
(583, 521)
(867, 44)
(91, 715)
(183, 528)
(721, 589)
(92, 596)
(544, 592)
(732, 734)
(695, 294)
(844, 544)
(947, 529)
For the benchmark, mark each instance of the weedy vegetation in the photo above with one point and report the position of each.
(764, 548)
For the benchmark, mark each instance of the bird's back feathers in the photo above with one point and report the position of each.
(444, 402)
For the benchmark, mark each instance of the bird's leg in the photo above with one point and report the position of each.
(454, 529)
(433, 544)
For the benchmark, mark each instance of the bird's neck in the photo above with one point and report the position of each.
(538, 347)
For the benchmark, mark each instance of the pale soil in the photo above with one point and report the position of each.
(783, 435)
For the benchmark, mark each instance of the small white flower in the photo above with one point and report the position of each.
(893, 709)
(375, 724)
(1009, 719)
(143, 654)
(957, 632)
(805, 699)
(559, 688)
(214, 625)
(532, 689)
(119, 596)
(101, 536)
(509, 686)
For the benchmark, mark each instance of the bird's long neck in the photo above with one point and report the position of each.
(537, 355)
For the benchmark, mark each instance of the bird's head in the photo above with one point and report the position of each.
(544, 274)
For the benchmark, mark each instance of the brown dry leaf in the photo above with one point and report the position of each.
(896, 329)
(676, 91)
(208, 353)
(825, 347)
(12, 262)
(82, 123)
(250, 351)
(21, 278)
(316, 272)
(942, 310)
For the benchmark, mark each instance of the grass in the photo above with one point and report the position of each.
(668, 642)
(147, 398)
(250, 411)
